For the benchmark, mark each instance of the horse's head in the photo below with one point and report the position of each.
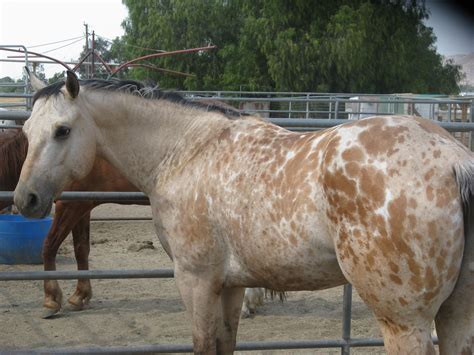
(61, 147)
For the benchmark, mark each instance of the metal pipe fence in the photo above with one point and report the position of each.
(308, 124)
(339, 105)
(345, 343)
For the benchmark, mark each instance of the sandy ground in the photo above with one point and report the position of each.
(149, 311)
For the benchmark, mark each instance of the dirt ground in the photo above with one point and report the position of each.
(149, 311)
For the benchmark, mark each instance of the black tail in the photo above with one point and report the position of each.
(464, 173)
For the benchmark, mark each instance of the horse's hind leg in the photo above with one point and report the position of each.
(401, 339)
(455, 318)
(231, 301)
(81, 239)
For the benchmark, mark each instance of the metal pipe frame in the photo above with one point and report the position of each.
(89, 195)
(395, 100)
(309, 123)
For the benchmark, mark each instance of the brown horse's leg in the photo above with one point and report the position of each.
(80, 235)
(67, 215)
(455, 319)
(231, 300)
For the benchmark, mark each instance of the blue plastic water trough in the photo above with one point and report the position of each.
(21, 239)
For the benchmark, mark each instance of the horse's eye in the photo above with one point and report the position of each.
(62, 132)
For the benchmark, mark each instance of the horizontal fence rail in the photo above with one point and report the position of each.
(85, 274)
(187, 348)
(89, 195)
(306, 123)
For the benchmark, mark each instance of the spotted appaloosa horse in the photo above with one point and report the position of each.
(240, 202)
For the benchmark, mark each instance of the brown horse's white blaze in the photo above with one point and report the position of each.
(240, 202)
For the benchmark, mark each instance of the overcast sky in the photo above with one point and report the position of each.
(35, 22)
(453, 24)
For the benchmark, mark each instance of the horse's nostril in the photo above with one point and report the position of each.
(32, 200)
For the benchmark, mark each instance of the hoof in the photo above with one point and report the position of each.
(49, 313)
(74, 307)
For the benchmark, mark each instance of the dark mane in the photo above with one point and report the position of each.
(140, 89)
(50, 90)
(13, 148)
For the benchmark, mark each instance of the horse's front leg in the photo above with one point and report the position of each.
(65, 218)
(201, 296)
(81, 240)
(231, 305)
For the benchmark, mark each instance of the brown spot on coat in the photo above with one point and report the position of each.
(372, 183)
(395, 279)
(402, 301)
(387, 138)
(429, 193)
(394, 267)
(353, 154)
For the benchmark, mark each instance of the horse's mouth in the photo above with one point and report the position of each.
(48, 209)
(32, 205)
(40, 211)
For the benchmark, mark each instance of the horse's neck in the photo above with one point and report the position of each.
(146, 139)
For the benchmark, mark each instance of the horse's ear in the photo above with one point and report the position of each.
(35, 81)
(72, 84)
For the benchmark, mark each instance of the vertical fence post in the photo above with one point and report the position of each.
(346, 319)
(307, 106)
(471, 134)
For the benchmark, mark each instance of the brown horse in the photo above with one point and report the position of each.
(69, 216)
(11, 151)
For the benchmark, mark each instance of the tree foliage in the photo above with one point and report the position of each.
(377, 46)
(8, 81)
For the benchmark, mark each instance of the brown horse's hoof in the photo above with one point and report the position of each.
(49, 313)
(75, 306)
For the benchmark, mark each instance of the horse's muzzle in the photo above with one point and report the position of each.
(31, 203)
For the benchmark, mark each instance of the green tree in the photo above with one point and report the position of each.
(290, 45)
(179, 24)
(58, 76)
(5, 82)
(385, 48)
